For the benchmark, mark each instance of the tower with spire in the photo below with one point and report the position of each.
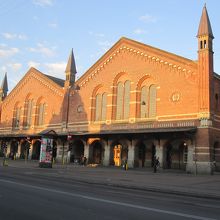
(205, 62)
(70, 71)
(4, 88)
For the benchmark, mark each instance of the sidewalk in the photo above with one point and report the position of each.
(166, 181)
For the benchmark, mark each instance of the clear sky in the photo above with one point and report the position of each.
(41, 33)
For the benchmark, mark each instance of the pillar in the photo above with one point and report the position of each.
(131, 155)
(107, 154)
(191, 160)
(160, 152)
(8, 149)
(30, 151)
(202, 155)
(86, 152)
(19, 150)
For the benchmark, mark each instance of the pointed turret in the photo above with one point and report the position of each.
(70, 71)
(205, 25)
(205, 63)
(4, 88)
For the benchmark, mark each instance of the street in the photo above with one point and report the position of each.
(46, 194)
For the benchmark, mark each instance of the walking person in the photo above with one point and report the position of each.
(156, 164)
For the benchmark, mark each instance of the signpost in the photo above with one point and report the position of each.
(46, 152)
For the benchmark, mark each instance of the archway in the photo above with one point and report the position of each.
(168, 156)
(97, 154)
(119, 154)
(25, 147)
(140, 155)
(77, 151)
(13, 149)
(36, 150)
(176, 155)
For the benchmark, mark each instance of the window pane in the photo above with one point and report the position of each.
(29, 112)
(119, 107)
(104, 106)
(144, 102)
(98, 108)
(127, 100)
(152, 101)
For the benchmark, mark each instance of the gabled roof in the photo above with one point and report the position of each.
(58, 81)
(56, 84)
(140, 49)
(71, 66)
(205, 25)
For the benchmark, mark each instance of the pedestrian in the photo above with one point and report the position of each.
(84, 161)
(156, 164)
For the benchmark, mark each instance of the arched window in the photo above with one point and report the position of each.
(100, 107)
(40, 112)
(28, 112)
(120, 94)
(127, 100)
(17, 117)
(152, 101)
(148, 101)
(144, 102)
(123, 100)
(104, 106)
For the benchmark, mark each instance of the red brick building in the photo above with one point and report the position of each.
(136, 102)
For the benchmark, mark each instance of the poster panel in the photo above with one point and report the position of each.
(46, 152)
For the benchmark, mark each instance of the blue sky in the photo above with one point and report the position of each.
(41, 33)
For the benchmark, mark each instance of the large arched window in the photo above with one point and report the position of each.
(148, 101)
(100, 107)
(40, 113)
(123, 100)
(28, 107)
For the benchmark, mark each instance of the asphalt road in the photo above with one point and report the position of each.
(45, 194)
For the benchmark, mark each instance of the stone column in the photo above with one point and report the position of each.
(19, 150)
(8, 149)
(30, 151)
(203, 163)
(131, 155)
(160, 152)
(191, 162)
(88, 153)
(107, 154)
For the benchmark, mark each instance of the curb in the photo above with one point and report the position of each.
(136, 187)
(151, 189)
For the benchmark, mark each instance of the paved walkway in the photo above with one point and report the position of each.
(167, 181)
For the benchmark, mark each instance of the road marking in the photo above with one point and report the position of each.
(108, 201)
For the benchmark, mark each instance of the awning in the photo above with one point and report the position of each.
(137, 131)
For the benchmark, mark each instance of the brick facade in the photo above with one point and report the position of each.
(169, 109)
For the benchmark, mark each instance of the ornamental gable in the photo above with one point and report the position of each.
(37, 87)
(135, 64)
